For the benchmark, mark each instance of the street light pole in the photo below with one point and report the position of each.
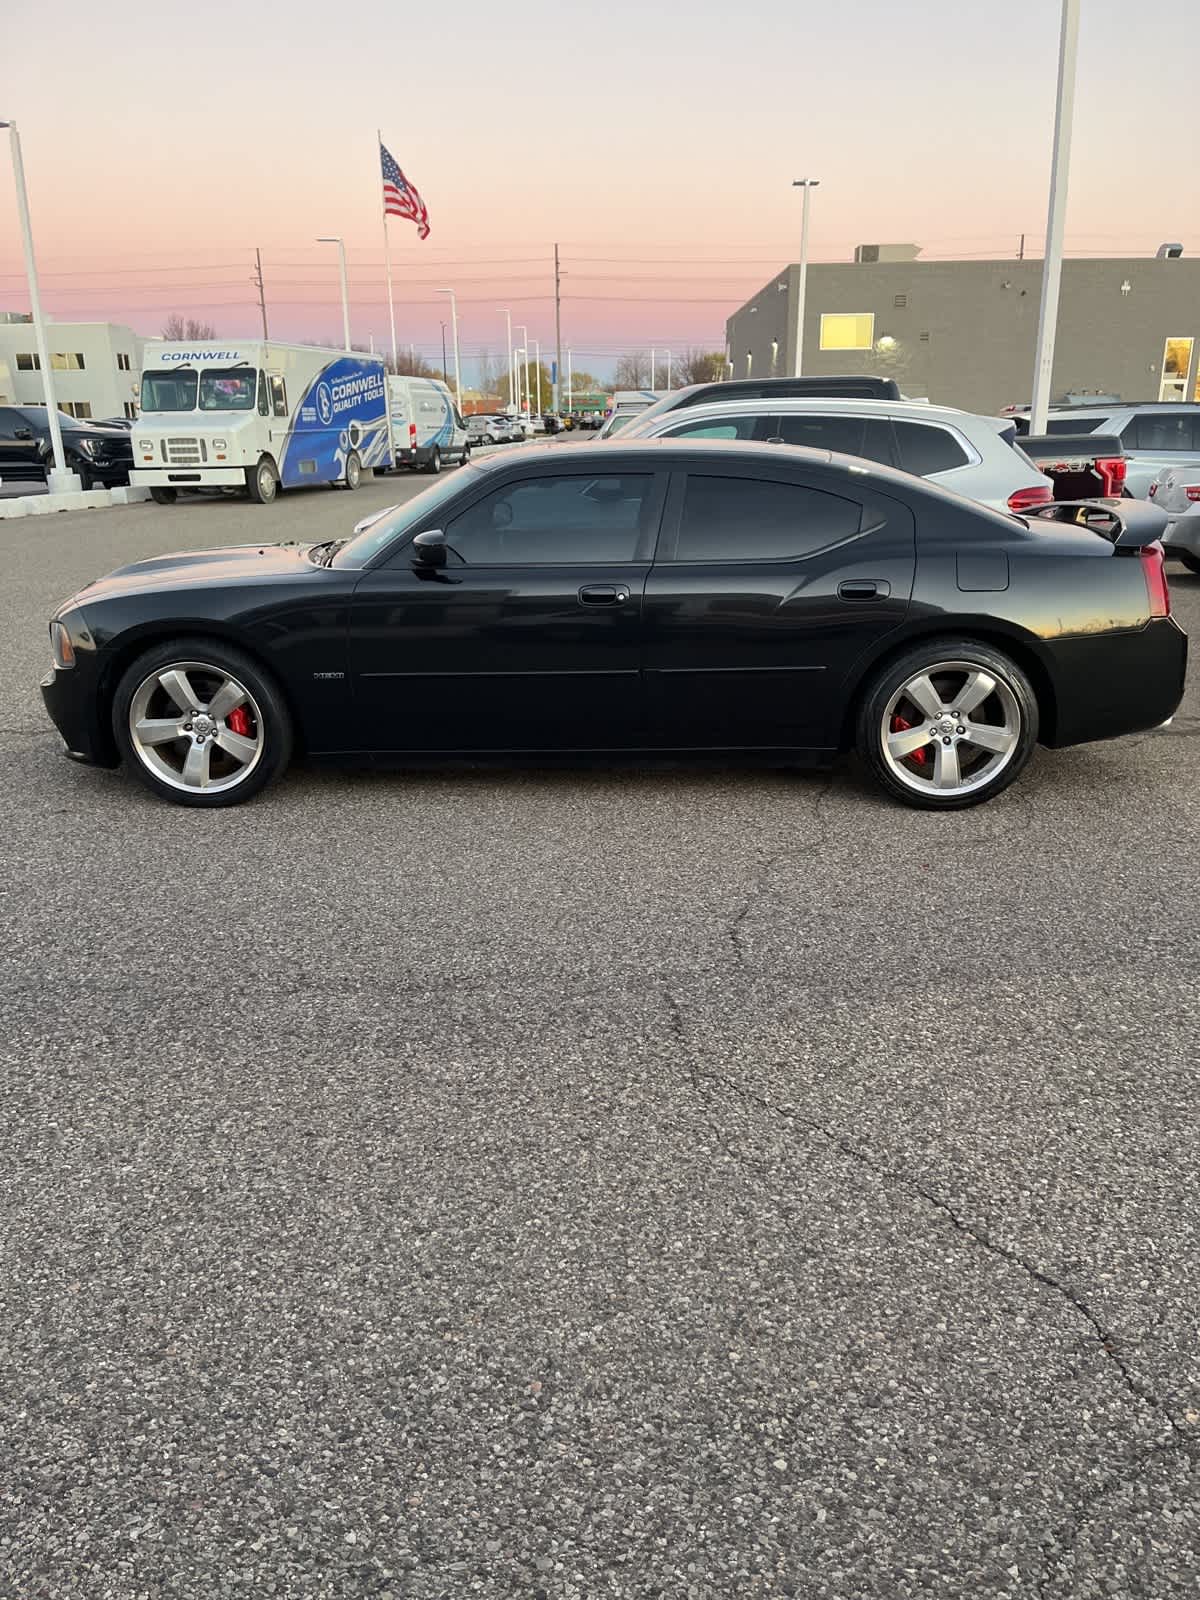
(59, 480)
(524, 332)
(653, 353)
(808, 185)
(668, 372)
(341, 244)
(454, 334)
(570, 380)
(518, 353)
(537, 367)
(1060, 171)
(508, 348)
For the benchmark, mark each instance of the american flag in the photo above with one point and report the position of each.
(400, 199)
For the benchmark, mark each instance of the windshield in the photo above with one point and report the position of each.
(621, 419)
(228, 389)
(396, 520)
(169, 391)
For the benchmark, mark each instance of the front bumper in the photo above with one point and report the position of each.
(1112, 684)
(188, 478)
(71, 699)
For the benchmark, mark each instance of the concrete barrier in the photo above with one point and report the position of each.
(40, 505)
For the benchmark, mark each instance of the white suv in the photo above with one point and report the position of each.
(978, 456)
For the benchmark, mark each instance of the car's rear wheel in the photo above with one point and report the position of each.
(435, 461)
(164, 497)
(200, 723)
(950, 724)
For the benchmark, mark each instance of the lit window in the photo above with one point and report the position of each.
(67, 361)
(853, 330)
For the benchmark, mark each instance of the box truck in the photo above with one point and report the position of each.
(257, 415)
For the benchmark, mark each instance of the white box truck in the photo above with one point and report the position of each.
(257, 415)
(427, 429)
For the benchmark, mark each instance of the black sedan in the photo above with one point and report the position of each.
(641, 598)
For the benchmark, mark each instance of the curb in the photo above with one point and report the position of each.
(39, 505)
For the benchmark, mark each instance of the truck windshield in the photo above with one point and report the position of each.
(169, 391)
(228, 389)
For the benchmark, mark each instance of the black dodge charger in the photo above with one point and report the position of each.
(655, 598)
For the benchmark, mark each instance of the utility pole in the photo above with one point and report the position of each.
(445, 374)
(257, 281)
(1060, 170)
(1021, 249)
(557, 332)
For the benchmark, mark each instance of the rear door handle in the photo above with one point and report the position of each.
(603, 594)
(864, 589)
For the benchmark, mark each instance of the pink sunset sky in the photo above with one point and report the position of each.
(163, 143)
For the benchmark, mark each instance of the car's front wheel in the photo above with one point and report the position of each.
(200, 723)
(262, 481)
(950, 724)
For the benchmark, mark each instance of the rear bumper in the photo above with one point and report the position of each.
(188, 478)
(1116, 683)
(1183, 534)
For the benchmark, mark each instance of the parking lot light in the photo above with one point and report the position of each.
(341, 244)
(1060, 169)
(808, 185)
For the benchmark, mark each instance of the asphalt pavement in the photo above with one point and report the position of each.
(625, 1182)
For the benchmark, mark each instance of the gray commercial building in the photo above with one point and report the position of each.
(963, 333)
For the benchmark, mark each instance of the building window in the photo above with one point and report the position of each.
(76, 408)
(130, 410)
(27, 362)
(67, 361)
(124, 364)
(853, 330)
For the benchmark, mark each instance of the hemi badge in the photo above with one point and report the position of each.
(321, 675)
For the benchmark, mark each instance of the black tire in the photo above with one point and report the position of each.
(353, 471)
(164, 497)
(1192, 563)
(1013, 699)
(200, 654)
(262, 481)
(465, 456)
(434, 464)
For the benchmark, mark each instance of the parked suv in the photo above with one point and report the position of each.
(1154, 435)
(977, 456)
(854, 387)
(488, 430)
(101, 455)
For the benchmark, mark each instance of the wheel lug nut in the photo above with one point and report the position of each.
(946, 740)
(962, 730)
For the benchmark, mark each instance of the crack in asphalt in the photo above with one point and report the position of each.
(733, 928)
(1181, 1439)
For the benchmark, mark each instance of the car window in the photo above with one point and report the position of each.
(1152, 430)
(852, 436)
(556, 521)
(727, 428)
(1073, 424)
(925, 449)
(743, 519)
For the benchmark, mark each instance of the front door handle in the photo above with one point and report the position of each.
(603, 594)
(864, 589)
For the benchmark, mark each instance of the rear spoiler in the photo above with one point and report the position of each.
(1069, 448)
(1135, 525)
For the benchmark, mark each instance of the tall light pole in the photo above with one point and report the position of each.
(570, 380)
(518, 353)
(59, 480)
(537, 367)
(808, 185)
(524, 332)
(1060, 171)
(341, 244)
(454, 334)
(668, 371)
(653, 353)
(508, 348)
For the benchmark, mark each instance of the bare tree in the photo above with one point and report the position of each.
(411, 365)
(178, 329)
(700, 366)
(633, 371)
(487, 373)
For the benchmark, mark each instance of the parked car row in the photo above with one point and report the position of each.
(99, 452)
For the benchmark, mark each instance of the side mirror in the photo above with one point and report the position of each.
(22, 433)
(429, 549)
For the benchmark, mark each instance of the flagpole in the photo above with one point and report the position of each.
(387, 253)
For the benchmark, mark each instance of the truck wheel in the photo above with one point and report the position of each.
(164, 497)
(353, 470)
(263, 481)
(435, 461)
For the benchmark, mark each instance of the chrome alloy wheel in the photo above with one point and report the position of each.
(195, 727)
(950, 729)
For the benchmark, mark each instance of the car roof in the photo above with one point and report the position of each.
(795, 405)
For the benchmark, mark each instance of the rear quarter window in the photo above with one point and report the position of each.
(925, 449)
(744, 519)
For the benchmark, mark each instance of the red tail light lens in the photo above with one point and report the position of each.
(412, 434)
(1153, 487)
(1112, 473)
(1155, 573)
(1029, 499)
(1193, 492)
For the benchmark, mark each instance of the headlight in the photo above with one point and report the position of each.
(64, 650)
(145, 444)
(88, 446)
(219, 444)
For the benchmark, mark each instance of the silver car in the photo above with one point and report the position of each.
(1176, 491)
(979, 457)
(1154, 435)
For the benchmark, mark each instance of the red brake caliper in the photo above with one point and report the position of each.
(899, 724)
(238, 721)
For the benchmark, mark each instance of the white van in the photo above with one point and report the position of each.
(257, 415)
(427, 429)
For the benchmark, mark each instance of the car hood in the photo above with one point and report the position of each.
(239, 563)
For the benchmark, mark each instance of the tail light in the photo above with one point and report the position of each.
(1155, 573)
(1193, 492)
(1153, 487)
(1029, 499)
(1112, 473)
(412, 436)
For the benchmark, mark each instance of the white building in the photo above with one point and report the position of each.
(97, 366)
